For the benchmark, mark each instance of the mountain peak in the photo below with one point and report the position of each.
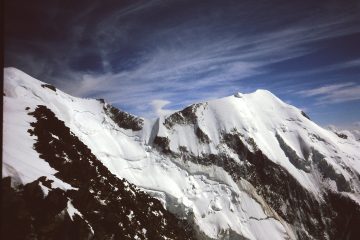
(244, 166)
(258, 92)
(15, 74)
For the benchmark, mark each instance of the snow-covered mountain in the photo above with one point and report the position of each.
(247, 166)
(346, 133)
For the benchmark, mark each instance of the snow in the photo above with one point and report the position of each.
(20, 160)
(261, 116)
(72, 210)
(217, 202)
(45, 189)
(130, 215)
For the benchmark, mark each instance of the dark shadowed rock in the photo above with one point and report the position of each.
(203, 138)
(281, 191)
(162, 144)
(110, 207)
(290, 153)
(123, 119)
(305, 115)
(185, 116)
(341, 135)
(49, 86)
(328, 171)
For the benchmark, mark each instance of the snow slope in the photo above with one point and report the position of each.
(261, 116)
(209, 195)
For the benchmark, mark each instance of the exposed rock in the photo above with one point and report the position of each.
(298, 162)
(310, 218)
(345, 217)
(101, 100)
(162, 143)
(203, 138)
(329, 172)
(28, 214)
(109, 207)
(123, 119)
(305, 115)
(341, 135)
(185, 116)
(49, 86)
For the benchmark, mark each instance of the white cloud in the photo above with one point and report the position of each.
(334, 93)
(325, 90)
(357, 124)
(345, 94)
(193, 59)
(158, 107)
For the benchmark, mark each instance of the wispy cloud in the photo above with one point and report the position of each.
(328, 89)
(321, 70)
(158, 107)
(169, 71)
(155, 52)
(334, 93)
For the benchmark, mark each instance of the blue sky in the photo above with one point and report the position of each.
(147, 56)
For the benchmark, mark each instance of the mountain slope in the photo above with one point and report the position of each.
(246, 166)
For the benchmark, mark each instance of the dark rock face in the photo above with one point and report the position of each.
(185, 116)
(310, 218)
(298, 162)
(328, 171)
(162, 143)
(28, 214)
(345, 217)
(303, 211)
(305, 115)
(101, 100)
(280, 190)
(203, 138)
(110, 207)
(319, 161)
(123, 119)
(341, 135)
(49, 86)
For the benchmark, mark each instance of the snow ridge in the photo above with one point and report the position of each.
(204, 162)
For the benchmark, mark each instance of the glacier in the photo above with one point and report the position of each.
(247, 166)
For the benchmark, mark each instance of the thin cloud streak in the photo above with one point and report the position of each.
(185, 58)
(335, 93)
(158, 107)
(210, 65)
(325, 89)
